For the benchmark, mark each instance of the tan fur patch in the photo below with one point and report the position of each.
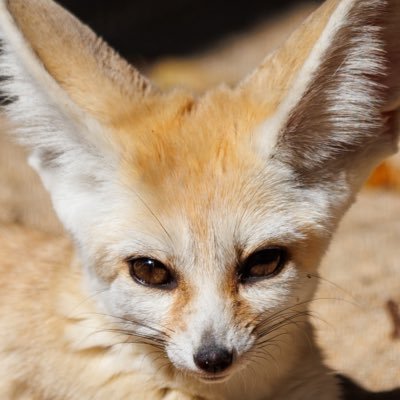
(182, 301)
(173, 149)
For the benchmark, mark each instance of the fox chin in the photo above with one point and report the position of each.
(195, 224)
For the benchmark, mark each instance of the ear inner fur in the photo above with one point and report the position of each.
(324, 91)
(341, 110)
(274, 78)
(92, 73)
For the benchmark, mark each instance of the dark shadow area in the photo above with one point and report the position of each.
(352, 391)
(149, 29)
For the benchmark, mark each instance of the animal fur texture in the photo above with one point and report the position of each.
(202, 185)
(237, 55)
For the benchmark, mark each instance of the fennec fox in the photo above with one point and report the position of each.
(198, 223)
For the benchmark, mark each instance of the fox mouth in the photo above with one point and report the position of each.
(209, 377)
(214, 378)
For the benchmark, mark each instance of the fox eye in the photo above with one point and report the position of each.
(263, 264)
(150, 272)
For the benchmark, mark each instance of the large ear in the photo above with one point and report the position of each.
(63, 87)
(332, 91)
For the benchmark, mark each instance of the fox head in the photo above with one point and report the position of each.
(201, 220)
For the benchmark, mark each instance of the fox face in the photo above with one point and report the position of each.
(200, 221)
(201, 270)
(205, 267)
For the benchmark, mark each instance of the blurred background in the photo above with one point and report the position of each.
(149, 29)
(193, 44)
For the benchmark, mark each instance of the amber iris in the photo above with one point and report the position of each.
(150, 272)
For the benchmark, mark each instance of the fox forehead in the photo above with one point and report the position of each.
(192, 168)
(188, 139)
(196, 187)
(177, 135)
(214, 223)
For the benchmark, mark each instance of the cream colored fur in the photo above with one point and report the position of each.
(199, 183)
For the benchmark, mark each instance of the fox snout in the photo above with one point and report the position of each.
(212, 340)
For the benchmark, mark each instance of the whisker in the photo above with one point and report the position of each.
(86, 299)
(325, 280)
(267, 326)
(154, 216)
(136, 334)
(129, 321)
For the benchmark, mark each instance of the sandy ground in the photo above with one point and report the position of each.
(359, 275)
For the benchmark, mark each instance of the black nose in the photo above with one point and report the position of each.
(213, 359)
